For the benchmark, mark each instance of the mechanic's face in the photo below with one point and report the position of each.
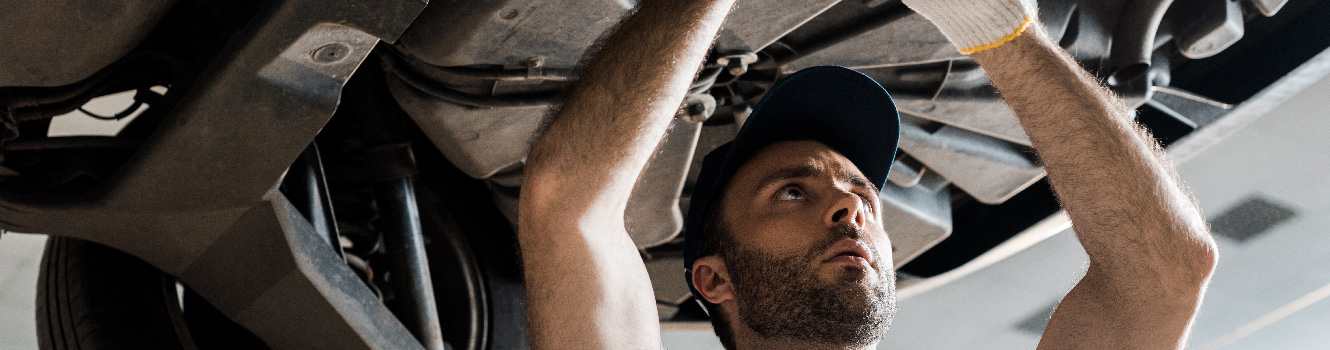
(809, 257)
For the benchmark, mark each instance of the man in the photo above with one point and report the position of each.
(784, 244)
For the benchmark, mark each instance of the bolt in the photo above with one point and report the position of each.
(330, 53)
(698, 108)
(737, 63)
(737, 67)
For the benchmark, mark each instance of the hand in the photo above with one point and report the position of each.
(977, 25)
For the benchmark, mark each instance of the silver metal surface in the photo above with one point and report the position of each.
(916, 218)
(989, 169)
(759, 23)
(480, 141)
(912, 40)
(653, 215)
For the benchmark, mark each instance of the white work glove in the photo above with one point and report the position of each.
(977, 25)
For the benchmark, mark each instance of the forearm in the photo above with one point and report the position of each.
(1129, 211)
(622, 103)
(586, 285)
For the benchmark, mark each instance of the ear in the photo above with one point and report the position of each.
(712, 280)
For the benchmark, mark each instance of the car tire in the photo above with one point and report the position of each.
(90, 296)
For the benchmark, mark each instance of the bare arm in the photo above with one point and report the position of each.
(586, 285)
(1150, 251)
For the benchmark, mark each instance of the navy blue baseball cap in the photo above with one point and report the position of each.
(837, 106)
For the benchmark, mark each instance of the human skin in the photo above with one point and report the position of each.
(1151, 253)
(783, 201)
(587, 287)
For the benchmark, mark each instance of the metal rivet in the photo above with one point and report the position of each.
(330, 53)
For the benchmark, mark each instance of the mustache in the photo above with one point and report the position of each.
(838, 233)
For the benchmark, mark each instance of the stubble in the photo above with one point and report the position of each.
(778, 297)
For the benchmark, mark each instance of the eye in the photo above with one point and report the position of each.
(868, 201)
(790, 193)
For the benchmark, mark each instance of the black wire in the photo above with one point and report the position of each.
(140, 69)
(125, 113)
(541, 99)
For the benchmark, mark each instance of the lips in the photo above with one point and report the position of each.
(849, 251)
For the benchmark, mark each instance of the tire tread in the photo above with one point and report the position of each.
(94, 297)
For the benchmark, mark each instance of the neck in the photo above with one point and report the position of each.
(791, 344)
(746, 338)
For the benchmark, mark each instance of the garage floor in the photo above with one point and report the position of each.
(19, 256)
(1265, 190)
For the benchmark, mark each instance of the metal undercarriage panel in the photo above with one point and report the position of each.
(81, 36)
(198, 201)
(959, 135)
(490, 141)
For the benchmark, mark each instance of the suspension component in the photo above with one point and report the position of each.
(408, 267)
(391, 168)
(308, 188)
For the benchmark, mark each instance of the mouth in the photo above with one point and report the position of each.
(849, 252)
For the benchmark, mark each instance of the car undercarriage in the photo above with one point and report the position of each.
(313, 174)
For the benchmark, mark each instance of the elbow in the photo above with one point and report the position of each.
(1193, 265)
(540, 199)
(1204, 253)
(547, 185)
(1202, 269)
(1191, 282)
(1189, 254)
(1207, 258)
(552, 200)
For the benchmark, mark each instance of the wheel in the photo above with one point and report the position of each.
(94, 297)
(90, 296)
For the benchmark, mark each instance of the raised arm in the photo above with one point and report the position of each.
(586, 285)
(1151, 254)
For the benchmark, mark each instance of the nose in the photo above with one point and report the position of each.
(847, 209)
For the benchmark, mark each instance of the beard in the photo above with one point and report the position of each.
(779, 298)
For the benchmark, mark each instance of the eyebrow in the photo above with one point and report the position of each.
(807, 171)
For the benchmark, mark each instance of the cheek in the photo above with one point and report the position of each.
(882, 242)
(785, 233)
